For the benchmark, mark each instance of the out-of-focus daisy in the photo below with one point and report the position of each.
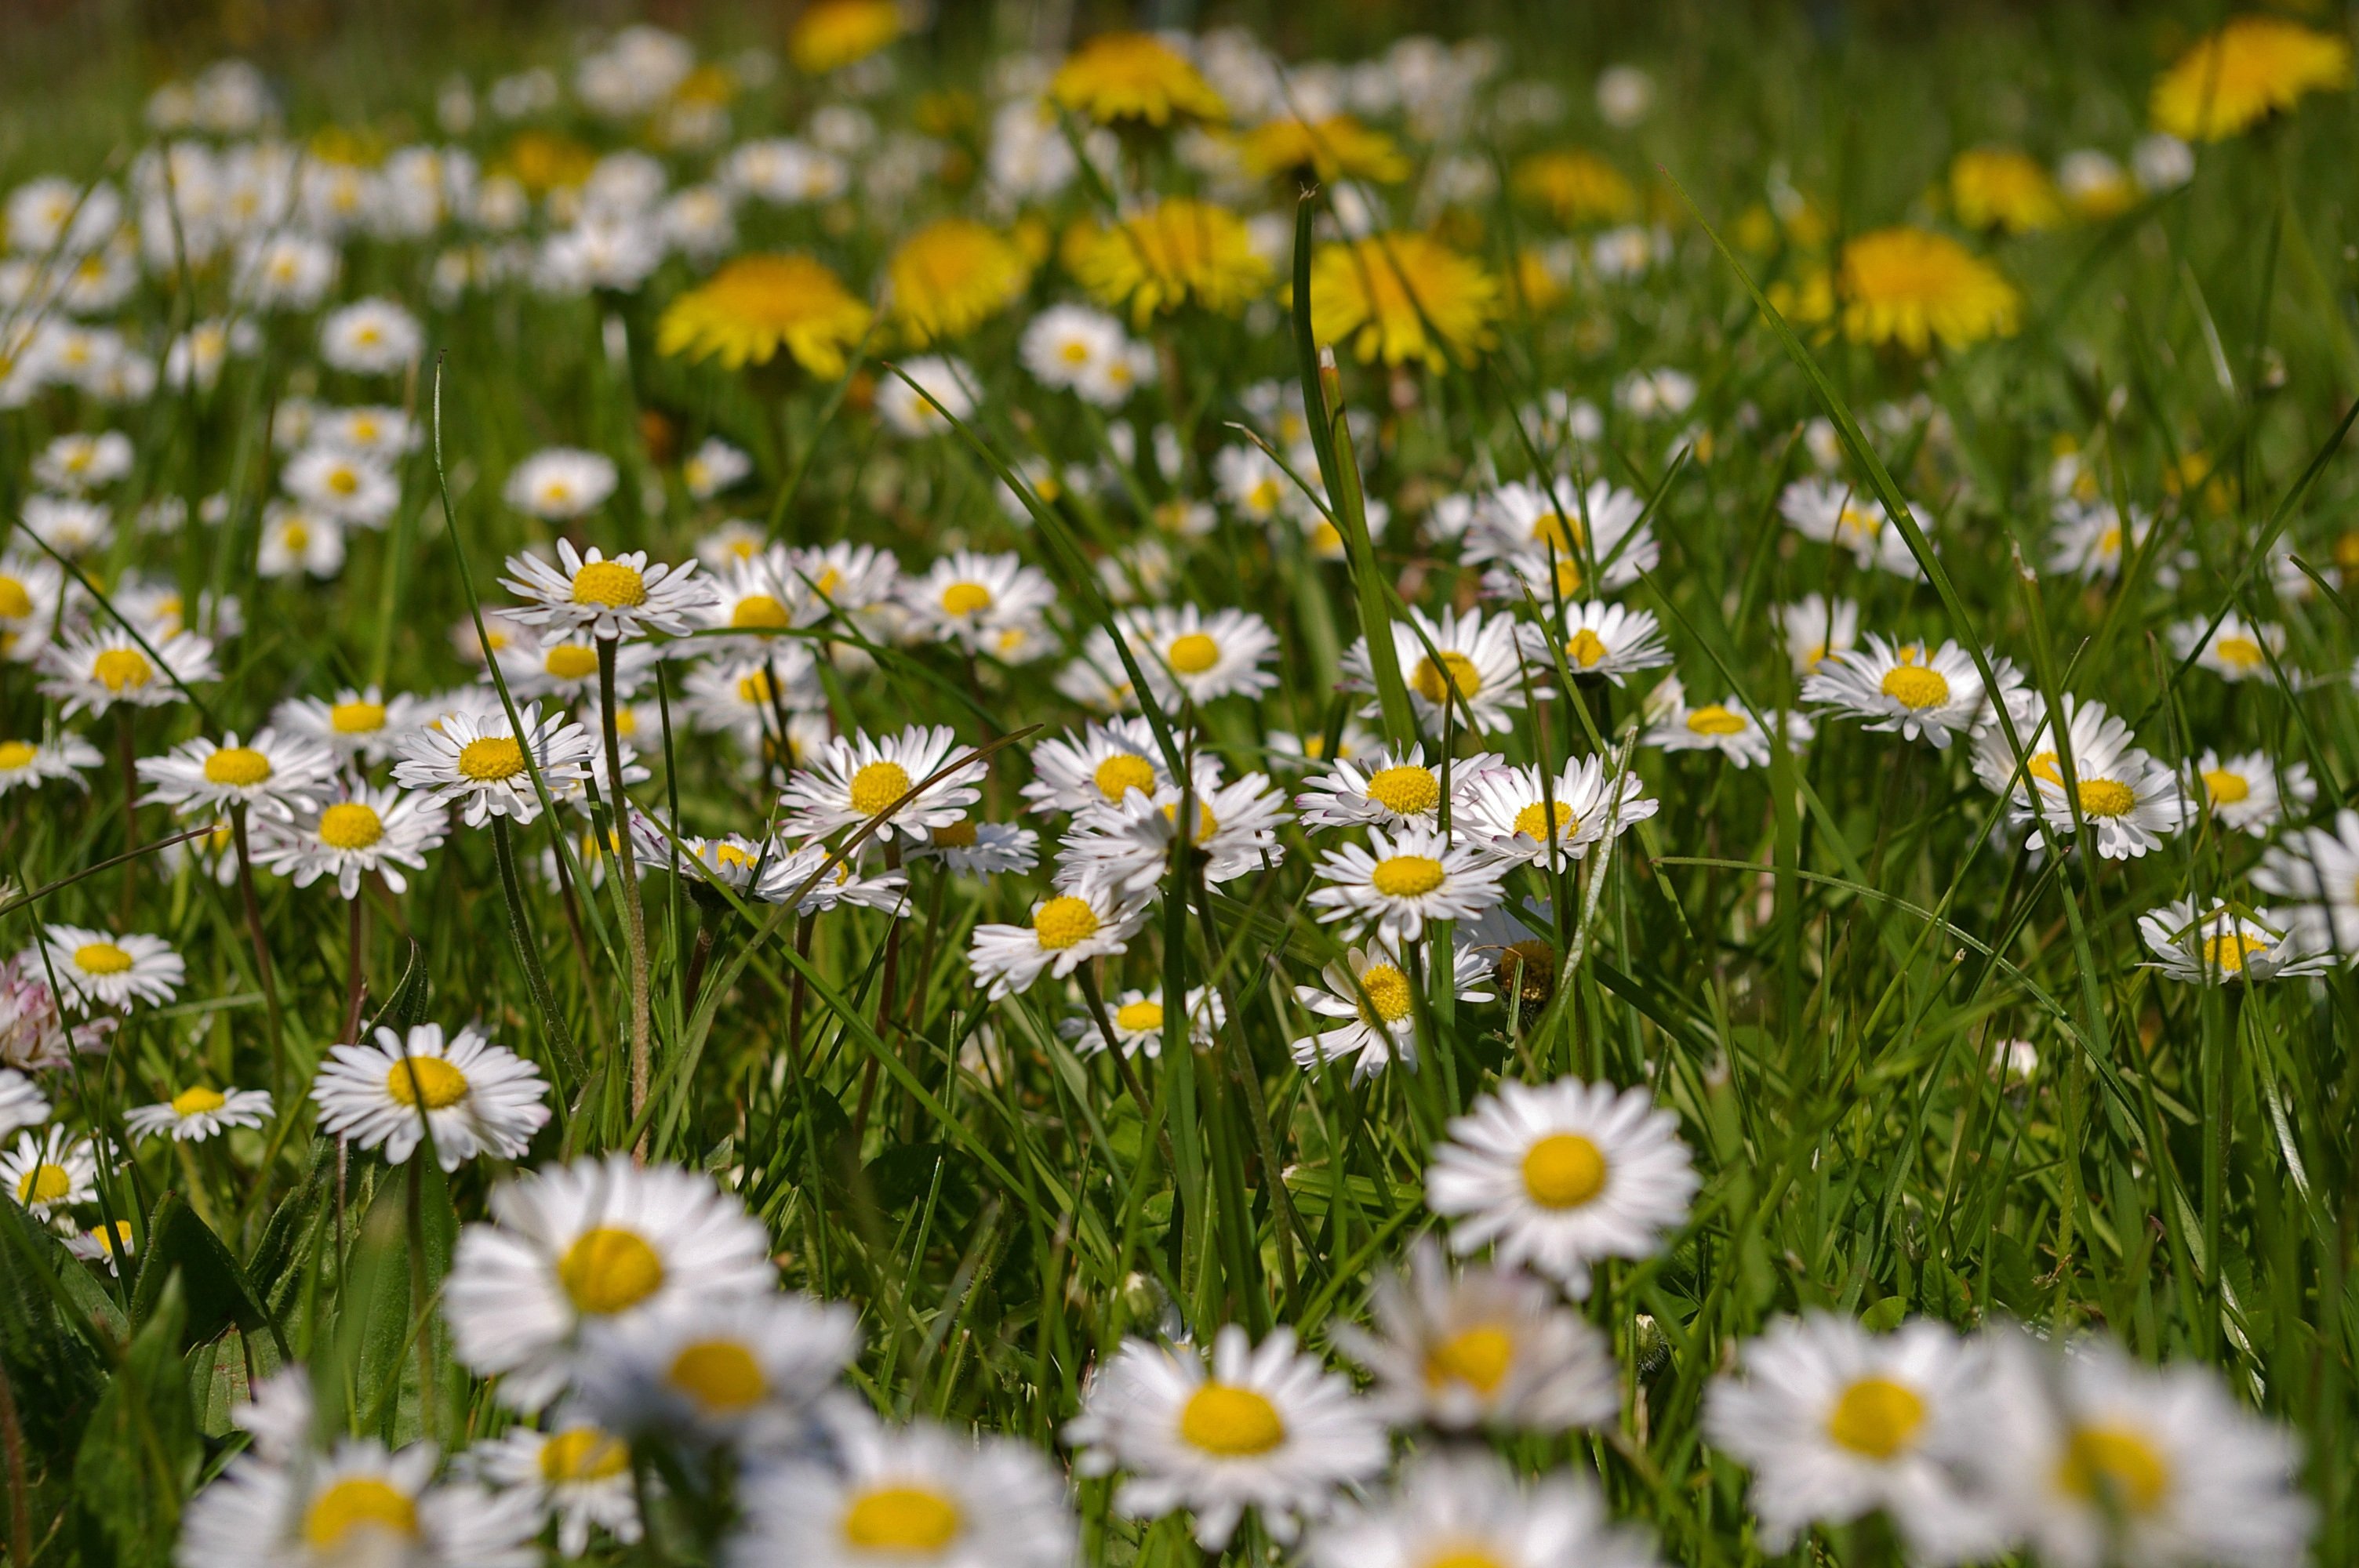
(1728, 727)
(2253, 67)
(364, 724)
(621, 597)
(2095, 185)
(2236, 650)
(1553, 539)
(370, 337)
(1519, 820)
(857, 777)
(82, 460)
(714, 467)
(1904, 689)
(973, 849)
(2319, 868)
(2249, 794)
(1464, 1507)
(2219, 946)
(2091, 540)
(854, 582)
(1205, 658)
(946, 389)
(745, 1369)
(71, 525)
(1816, 628)
(816, 879)
(299, 542)
(966, 596)
(1403, 879)
(752, 597)
(2129, 799)
(92, 672)
(1291, 751)
(1076, 349)
(1561, 1174)
(51, 1171)
(745, 695)
(559, 483)
(1126, 850)
(1598, 638)
(1066, 931)
(595, 1242)
(28, 765)
(1836, 1423)
(356, 1503)
(102, 969)
(1263, 1427)
(1850, 519)
(565, 666)
(1138, 1019)
(330, 482)
(477, 762)
(95, 1245)
(1471, 673)
(1097, 766)
(575, 1472)
(471, 1095)
(272, 775)
(22, 1104)
(758, 305)
(1371, 988)
(29, 592)
(198, 1112)
(375, 829)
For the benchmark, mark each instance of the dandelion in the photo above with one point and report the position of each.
(1177, 252)
(102, 969)
(1332, 148)
(757, 307)
(833, 34)
(198, 1112)
(1134, 80)
(470, 1095)
(1066, 931)
(2252, 67)
(1576, 187)
(49, 1173)
(1404, 298)
(1913, 287)
(1403, 881)
(951, 276)
(2003, 187)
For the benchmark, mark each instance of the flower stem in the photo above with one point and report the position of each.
(504, 852)
(272, 1019)
(635, 924)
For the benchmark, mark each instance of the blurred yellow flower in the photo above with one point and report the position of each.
(1173, 253)
(2246, 72)
(542, 163)
(1134, 78)
(757, 306)
(953, 276)
(1577, 187)
(833, 34)
(1536, 283)
(1402, 297)
(2001, 188)
(1909, 286)
(1337, 148)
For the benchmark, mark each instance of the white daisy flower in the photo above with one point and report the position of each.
(1371, 988)
(1263, 1427)
(30, 593)
(1507, 809)
(370, 830)
(713, 467)
(818, 882)
(1477, 678)
(1126, 850)
(1098, 765)
(970, 849)
(196, 1113)
(622, 597)
(1596, 638)
(1560, 1174)
(1539, 549)
(100, 970)
(1836, 1423)
(378, 430)
(856, 777)
(2220, 947)
(1386, 786)
(947, 381)
(2319, 868)
(754, 597)
(2089, 540)
(1728, 727)
(343, 485)
(1206, 657)
(1065, 344)
(92, 671)
(299, 542)
(362, 724)
(856, 581)
(92, 1245)
(565, 666)
(919, 1495)
(1484, 1347)
(2130, 800)
(965, 596)
(473, 1097)
(371, 336)
(22, 1103)
(1066, 932)
(742, 1369)
(576, 1472)
(71, 525)
(1403, 881)
(1467, 1507)
(28, 765)
(50, 1172)
(357, 1503)
(1138, 1017)
(478, 764)
(596, 1241)
(558, 484)
(2247, 793)
(1815, 628)
(1904, 689)
(1254, 487)
(273, 775)
(82, 460)
(2236, 650)
(1842, 515)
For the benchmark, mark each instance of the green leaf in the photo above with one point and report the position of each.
(140, 1454)
(214, 1294)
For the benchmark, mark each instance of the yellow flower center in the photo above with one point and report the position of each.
(2243, 653)
(1074, 351)
(1586, 648)
(1407, 876)
(45, 1184)
(1563, 1170)
(355, 1504)
(491, 759)
(2227, 954)
(16, 754)
(1206, 822)
(350, 824)
(755, 689)
(356, 717)
(1139, 1015)
(101, 958)
(1875, 1416)
(1064, 921)
(965, 599)
(118, 669)
(2042, 765)
(428, 1081)
(1465, 1557)
(758, 612)
(1711, 718)
(240, 767)
(581, 1453)
(721, 1375)
(1532, 821)
(197, 1101)
(1326, 540)
(1121, 774)
(2114, 1466)
(2107, 797)
(571, 661)
(1231, 1422)
(609, 1270)
(902, 1518)
(1915, 687)
(610, 583)
(343, 481)
(2224, 787)
(959, 834)
(1406, 790)
(1387, 990)
(1193, 654)
(1463, 677)
(1477, 1357)
(16, 599)
(878, 785)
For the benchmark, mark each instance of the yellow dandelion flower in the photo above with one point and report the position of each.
(953, 276)
(1402, 297)
(542, 163)
(1134, 79)
(2240, 75)
(757, 305)
(2001, 188)
(1173, 253)
(1578, 187)
(1337, 148)
(1908, 286)
(836, 33)
(1536, 283)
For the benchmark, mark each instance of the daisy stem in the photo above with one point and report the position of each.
(2219, 1114)
(535, 981)
(125, 748)
(271, 1017)
(355, 936)
(1087, 974)
(635, 928)
(700, 954)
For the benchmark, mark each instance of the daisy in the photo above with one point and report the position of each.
(744, 1370)
(751, 597)
(196, 1113)
(1393, 787)
(379, 431)
(1063, 345)
(1728, 727)
(1370, 987)
(71, 525)
(370, 337)
(82, 461)
(1262, 1427)
(2318, 868)
(1484, 1347)
(1598, 640)
(28, 765)
(965, 596)
(23, 1105)
(95, 1245)
(1560, 1174)
(1836, 1423)
(860, 581)
(714, 467)
(565, 667)
(1841, 515)
(575, 1472)
(1508, 809)
(1405, 879)
(1546, 550)
(945, 389)
(1903, 688)
(2236, 650)
(92, 671)
(558, 484)
(471, 1095)
(2220, 947)
(51, 1171)
(2247, 793)
(343, 486)
(1253, 484)
(1098, 765)
(857, 778)
(919, 1495)
(361, 725)
(623, 596)
(478, 764)
(1467, 1507)
(818, 881)
(1138, 1019)
(1066, 931)
(371, 829)
(1127, 850)
(972, 848)
(2130, 800)
(29, 594)
(273, 775)
(742, 696)
(1206, 657)
(356, 1503)
(1472, 674)
(297, 542)
(2088, 541)
(1815, 629)
(100, 970)
(592, 1241)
